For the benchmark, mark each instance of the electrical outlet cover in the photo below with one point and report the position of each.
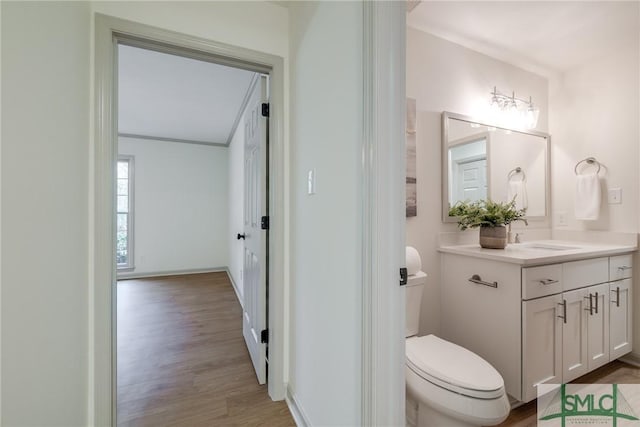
(614, 196)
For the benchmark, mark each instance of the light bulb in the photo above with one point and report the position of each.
(532, 117)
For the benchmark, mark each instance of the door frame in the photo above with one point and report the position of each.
(109, 32)
(382, 207)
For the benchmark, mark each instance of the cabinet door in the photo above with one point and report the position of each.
(574, 334)
(620, 318)
(542, 343)
(598, 326)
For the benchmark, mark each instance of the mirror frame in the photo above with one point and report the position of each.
(445, 163)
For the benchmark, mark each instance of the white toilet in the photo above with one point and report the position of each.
(447, 385)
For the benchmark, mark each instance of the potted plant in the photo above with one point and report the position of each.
(491, 217)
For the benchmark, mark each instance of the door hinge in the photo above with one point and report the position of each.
(265, 110)
(264, 336)
(264, 224)
(403, 276)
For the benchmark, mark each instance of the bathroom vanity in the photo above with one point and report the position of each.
(539, 312)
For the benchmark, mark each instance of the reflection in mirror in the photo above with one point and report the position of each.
(481, 162)
(468, 169)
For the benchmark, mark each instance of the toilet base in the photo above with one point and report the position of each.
(421, 415)
(428, 417)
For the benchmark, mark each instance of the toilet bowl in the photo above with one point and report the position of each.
(447, 385)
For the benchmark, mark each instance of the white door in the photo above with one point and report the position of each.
(472, 180)
(574, 335)
(598, 326)
(254, 316)
(542, 344)
(620, 327)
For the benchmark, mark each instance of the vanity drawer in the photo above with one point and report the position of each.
(578, 274)
(541, 281)
(620, 267)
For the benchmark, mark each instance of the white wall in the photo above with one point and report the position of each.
(326, 99)
(595, 111)
(443, 76)
(236, 207)
(47, 185)
(181, 205)
(45, 143)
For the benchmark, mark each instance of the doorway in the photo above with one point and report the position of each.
(111, 33)
(197, 133)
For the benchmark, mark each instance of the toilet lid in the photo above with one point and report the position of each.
(453, 367)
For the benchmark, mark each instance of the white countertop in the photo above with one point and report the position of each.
(540, 251)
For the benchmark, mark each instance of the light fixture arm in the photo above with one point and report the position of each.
(503, 97)
(513, 111)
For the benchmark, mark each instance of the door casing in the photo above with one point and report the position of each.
(109, 32)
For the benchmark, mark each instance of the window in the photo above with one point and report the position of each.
(124, 213)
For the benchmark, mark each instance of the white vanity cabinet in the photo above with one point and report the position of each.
(620, 305)
(538, 324)
(541, 344)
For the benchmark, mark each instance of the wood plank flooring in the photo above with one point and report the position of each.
(182, 360)
(613, 373)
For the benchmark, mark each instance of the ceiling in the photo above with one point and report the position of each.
(543, 36)
(165, 96)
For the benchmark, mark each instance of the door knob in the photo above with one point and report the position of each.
(241, 236)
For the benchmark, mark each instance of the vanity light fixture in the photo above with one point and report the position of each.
(513, 112)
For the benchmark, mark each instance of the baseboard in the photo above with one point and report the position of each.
(296, 410)
(235, 287)
(632, 359)
(134, 275)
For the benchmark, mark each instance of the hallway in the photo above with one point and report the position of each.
(182, 360)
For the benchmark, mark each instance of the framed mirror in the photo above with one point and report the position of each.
(481, 161)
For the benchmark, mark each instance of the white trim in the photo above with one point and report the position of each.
(235, 287)
(299, 416)
(383, 213)
(165, 273)
(247, 96)
(108, 32)
(165, 139)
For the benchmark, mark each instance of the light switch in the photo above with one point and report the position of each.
(311, 182)
(615, 196)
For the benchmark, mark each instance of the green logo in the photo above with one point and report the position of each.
(564, 405)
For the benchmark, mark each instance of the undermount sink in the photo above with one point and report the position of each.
(548, 246)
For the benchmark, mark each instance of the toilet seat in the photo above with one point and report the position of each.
(453, 368)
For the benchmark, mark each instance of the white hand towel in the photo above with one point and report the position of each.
(518, 189)
(588, 197)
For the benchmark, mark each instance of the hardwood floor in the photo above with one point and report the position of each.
(613, 373)
(182, 360)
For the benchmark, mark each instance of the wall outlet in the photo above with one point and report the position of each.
(562, 219)
(615, 196)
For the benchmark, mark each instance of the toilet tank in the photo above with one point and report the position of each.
(414, 287)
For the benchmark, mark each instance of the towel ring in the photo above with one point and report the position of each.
(590, 161)
(515, 172)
